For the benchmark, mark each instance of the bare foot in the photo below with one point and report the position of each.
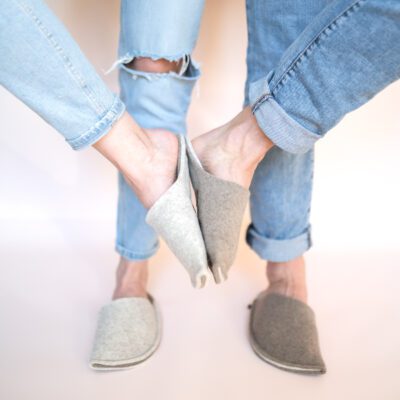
(288, 278)
(233, 151)
(157, 170)
(131, 279)
(146, 158)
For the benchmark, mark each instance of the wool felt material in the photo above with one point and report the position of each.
(220, 209)
(128, 332)
(283, 333)
(174, 218)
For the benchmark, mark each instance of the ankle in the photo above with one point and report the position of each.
(244, 133)
(131, 279)
(288, 278)
(127, 146)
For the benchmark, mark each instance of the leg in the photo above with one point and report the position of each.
(157, 76)
(44, 67)
(282, 184)
(345, 55)
(348, 53)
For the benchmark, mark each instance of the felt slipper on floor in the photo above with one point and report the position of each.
(128, 333)
(283, 333)
(174, 218)
(220, 208)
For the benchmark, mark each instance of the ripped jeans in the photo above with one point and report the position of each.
(281, 189)
(308, 66)
(157, 29)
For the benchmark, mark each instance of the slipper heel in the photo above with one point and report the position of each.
(174, 218)
(220, 208)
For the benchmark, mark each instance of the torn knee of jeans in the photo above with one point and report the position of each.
(183, 67)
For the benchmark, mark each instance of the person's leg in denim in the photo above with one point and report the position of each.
(281, 188)
(156, 75)
(282, 184)
(345, 55)
(43, 66)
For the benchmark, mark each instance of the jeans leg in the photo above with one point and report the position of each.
(282, 184)
(157, 29)
(42, 65)
(348, 53)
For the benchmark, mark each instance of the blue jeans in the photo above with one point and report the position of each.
(281, 188)
(349, 52)
(42, 65)
(307, 68)
(156, 29)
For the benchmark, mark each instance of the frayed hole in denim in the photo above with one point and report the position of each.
(189, 69)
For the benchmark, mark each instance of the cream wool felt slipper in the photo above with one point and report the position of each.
(283, 333)
(128, 333)
(220, 208)
(174, 218)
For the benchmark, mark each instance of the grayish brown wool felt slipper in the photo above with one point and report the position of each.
(128, 332)
(174, 218)
(283, 333)
(220, 209)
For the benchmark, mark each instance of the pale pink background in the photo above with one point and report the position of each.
(57, 212)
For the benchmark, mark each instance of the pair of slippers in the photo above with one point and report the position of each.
(204, 241)
(282, 330)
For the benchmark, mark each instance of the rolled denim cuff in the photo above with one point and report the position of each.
(100, 128)
(136, 255)
(278, 250)
(280, 128)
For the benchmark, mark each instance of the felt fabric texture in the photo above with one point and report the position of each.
(220, 208)
(283, 333)
(128, 332)
(174, 218)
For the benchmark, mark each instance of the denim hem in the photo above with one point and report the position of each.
(132, 255)
(278, 250)
(100, 128)
(282, 129)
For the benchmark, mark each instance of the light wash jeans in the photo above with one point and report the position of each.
(42, 65)
(156, 29)
(347, 52)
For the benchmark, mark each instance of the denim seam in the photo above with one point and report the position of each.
(313, 44)
(100, 128)
(260, 101)
(98, 108)
(249, 42)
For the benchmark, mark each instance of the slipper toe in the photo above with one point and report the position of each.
(128, 332)
(283, 333)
